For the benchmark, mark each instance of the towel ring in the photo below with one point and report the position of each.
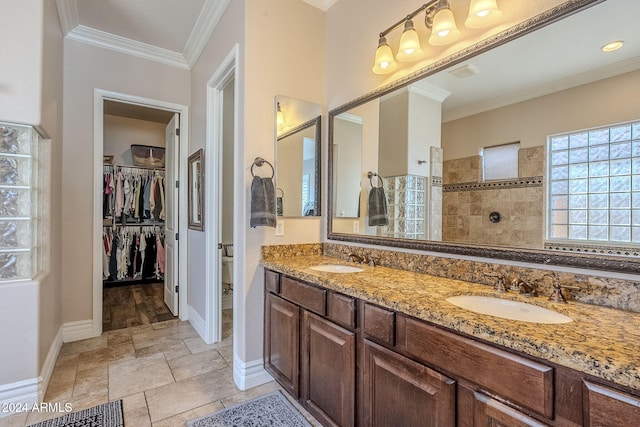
(259, 161)
(371, 175)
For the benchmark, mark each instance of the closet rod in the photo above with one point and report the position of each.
(141, 167)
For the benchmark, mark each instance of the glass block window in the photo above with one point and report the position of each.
(500, 161)
(594, 191)
(21, 185)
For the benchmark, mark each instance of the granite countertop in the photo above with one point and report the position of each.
(603, 342)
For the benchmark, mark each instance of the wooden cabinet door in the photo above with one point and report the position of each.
(606, 407)
(281, 342)
(401, 392)
(488, 412)
(328, 370)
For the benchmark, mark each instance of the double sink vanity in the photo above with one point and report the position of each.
(362, 345)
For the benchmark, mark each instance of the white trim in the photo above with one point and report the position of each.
(250, 374)
(49, 364)
(227, 70)
(81, 330)
(68, 15)
(207, 21)
(99, 97)
(127, 46)
(198, 323)
(23, 392)
(210, 15)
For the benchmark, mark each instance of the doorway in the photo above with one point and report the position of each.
(116, 116)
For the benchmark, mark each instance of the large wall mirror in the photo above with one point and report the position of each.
(298, 130)
(524, 148)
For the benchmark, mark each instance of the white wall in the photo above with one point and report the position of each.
(85, 68)
(530, 122)
(121, 132)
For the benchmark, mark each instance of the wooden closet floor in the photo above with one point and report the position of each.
(133, 305)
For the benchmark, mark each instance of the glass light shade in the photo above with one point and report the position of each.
(444, 29)
(482, 13)
(279, 116)
(384, 62)
(409, 49)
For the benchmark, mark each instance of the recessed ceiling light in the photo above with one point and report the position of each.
(610, 47)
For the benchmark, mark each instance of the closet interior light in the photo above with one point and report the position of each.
(440, 22)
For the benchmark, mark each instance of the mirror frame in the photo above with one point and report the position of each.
(534, 256)
(317, 122)
(196, 191)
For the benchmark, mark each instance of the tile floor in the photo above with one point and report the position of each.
(163, 372)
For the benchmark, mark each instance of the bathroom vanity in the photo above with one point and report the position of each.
(383, 347)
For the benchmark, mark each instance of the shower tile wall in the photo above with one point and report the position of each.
(468, 201)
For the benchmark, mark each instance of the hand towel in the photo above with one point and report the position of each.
(378, 207)
(263, 202)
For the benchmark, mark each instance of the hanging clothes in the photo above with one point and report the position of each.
(139, 195)
(131, 253)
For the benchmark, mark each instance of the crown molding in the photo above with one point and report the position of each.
(68, 15)
(323, 5)
(127, 46)
(209, 17)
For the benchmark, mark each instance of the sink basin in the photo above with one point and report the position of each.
(506, 309)
(336, 268)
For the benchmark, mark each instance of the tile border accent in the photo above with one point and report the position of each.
(592, 249)
(436, 181)
(524, 182)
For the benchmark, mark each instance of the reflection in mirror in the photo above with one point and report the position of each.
(347, 151)
(297, 157)
(471, 143)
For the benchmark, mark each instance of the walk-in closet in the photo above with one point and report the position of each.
(135, 207)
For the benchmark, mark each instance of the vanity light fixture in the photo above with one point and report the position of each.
(482, 13)
(409, 49)
(610, 47)
(440, 20)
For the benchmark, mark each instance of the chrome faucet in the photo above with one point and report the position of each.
(499, 286)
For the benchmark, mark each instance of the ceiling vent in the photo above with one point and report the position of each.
(464, 71)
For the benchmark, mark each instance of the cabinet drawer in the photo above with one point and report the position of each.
(272, 281)
(341, 309)
(307, 296)
(379, 324)
(604, 406)
(519, 380)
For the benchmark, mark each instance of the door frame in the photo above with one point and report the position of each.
(99, 96)
(226, 72)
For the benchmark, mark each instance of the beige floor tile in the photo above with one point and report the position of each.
(197, 345)
(182, 396)
(252, 393)
(63, 378)
(84, 345)
(133, 376)
(180, 419)
(196, 364)
(101, 358)
(138, 418)
(16, 420)
(169, 346)
(226, 353)
(135, 401)
(96, 379)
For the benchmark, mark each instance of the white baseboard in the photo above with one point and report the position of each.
(250, 374)
(30, 392)
(49, 364)
(76, 331)
(198, 323)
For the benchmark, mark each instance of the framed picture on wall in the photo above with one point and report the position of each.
(196, 190)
